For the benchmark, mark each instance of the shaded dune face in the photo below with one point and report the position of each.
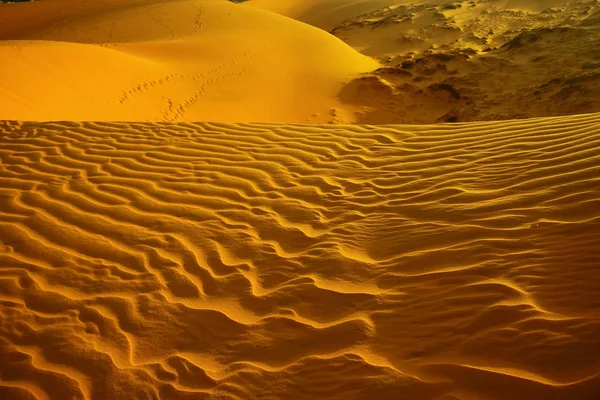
(242, 261)
(504, 59)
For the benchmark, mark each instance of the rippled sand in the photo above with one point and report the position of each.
(192, 261)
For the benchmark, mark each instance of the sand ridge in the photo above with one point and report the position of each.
(238, 261)
(267, 253)
(186, 60)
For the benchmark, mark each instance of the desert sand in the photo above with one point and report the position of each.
(169, 61)
(357, 61)
(207, 200)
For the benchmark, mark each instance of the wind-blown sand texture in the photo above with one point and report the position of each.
(269, 255)
(208, 260)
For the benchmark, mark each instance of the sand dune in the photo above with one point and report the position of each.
(171, 61)
(266, 254)
(324, 14)
(299, 61)
(244, 261)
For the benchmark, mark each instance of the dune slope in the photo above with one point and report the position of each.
(324, 14)
(299, 61)
(186, 60)
(242, 261)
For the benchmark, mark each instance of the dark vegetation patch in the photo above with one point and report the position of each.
(446, 87)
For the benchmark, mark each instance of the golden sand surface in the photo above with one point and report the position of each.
(298, 61)
(209, 60)
(191, 261)
(268, 207)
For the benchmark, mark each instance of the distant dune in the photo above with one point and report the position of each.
(169, 61)
(273, 61)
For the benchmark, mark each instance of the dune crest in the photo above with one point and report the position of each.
(170, 61)
(209, 260)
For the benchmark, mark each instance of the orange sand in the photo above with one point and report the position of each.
(190, 261)
(170, 259)
(272, 60)
(171, 61)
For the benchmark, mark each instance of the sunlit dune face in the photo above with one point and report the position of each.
(304, 199)
(174, 61)
(220, 61)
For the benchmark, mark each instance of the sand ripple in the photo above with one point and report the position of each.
(190, 261)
